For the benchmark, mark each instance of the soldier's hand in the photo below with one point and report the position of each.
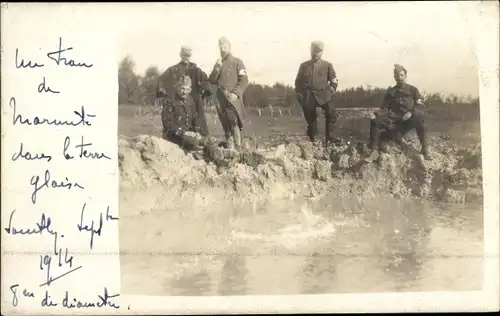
(299, 97)
(407, 116)
(372, 116)
(218, 63)
(232, 97)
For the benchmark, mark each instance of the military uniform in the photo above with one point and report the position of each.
(230, 77)
(178, 115)
(398, 101)
(315, 86)
(200, 88)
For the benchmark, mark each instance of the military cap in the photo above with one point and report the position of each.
(398, 68)
(319, 45)
(184, 81)
(186, 50)
(223, 40)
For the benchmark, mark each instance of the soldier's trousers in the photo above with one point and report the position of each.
(201, 119)
(180, 139)
(228, 116)
(309, 106)
(397, 129)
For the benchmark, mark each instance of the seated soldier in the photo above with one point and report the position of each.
(178, 117)
(398, 115)
(178, 113)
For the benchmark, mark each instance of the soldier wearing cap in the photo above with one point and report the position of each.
(230, 76)
(398, 115)
(200, 85)
(315, 85)
(179, 111)
(179, 118)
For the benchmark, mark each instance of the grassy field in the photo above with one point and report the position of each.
(463, 128)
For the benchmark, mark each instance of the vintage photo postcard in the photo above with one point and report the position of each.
(180, 158)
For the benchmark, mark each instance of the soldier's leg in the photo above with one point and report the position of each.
(201, 120)
(311, 117)
(417, 121)
(222, 113)
(377, 127)
(172, 136)
(330, 120)
(235, 138)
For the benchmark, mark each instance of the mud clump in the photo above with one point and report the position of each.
(154, 169)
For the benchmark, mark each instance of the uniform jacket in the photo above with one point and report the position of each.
(199, 79)
(318, 78)
(178, 113)
(231, 77)
(400, 100)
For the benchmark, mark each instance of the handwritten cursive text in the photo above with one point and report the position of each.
(52, 184)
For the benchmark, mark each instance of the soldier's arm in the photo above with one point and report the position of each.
(167, 116)
(417, 97)
(214, 75)
(298, 86)
(385, 103)
(332, 77)
(242, 83)
(159, 86)
(204, 83)
(163, 82)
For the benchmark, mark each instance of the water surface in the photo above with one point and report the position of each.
(334, 245)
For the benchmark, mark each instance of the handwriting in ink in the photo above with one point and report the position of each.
(46, 262)
(52, 279)
(21, 64)
(83, 152)
(43, 226)
(13, 289)
(43, 87)
(46, 301)
(53, 184)
(103, 301)
(60, 58)
(28, 156)
(91, 229)
(83, 118)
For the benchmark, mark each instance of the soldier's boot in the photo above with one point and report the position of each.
(230, 142)
(374, 154)
(374, 146)
(426, 152)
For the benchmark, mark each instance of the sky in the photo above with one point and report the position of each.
(363, 40)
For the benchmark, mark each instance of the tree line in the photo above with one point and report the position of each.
(140, 89)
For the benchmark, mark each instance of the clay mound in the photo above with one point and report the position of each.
(153, 171)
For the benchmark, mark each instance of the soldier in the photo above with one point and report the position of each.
(230, 76)
(399, 115)
(179, 111)
(179, 123)
(315, 84)
(200, 85)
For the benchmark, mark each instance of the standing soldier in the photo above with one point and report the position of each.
(230, 76)
(399, 115)
(315, 84)
(200, 85)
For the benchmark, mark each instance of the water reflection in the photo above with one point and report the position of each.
(318, 274)
(376, 245)
(194, 284)
(233, 275)
(404, 240)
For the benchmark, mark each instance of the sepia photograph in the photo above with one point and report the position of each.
(299, 148)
